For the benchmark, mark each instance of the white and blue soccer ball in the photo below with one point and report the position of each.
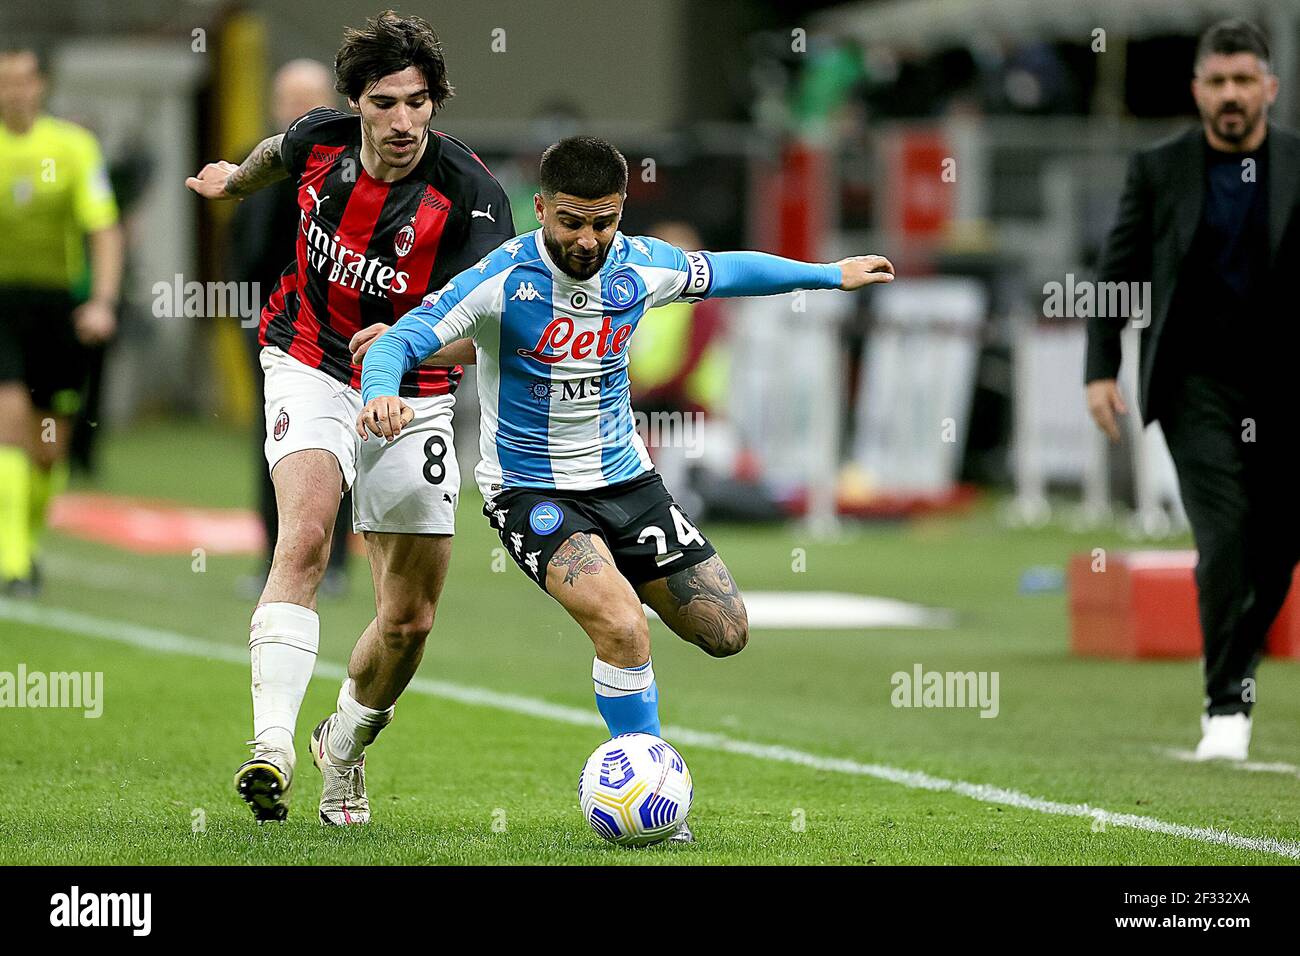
(635, 790)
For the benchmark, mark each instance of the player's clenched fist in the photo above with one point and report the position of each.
(385, 416)
(210, 183)
(859, 271)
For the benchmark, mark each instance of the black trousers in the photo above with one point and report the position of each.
(1229, 445)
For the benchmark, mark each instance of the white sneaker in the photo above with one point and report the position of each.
(264, 781)
(1224, 737)
(343, 800)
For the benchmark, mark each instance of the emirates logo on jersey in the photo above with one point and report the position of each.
(558, 341)
(329, 255)
(404, 241)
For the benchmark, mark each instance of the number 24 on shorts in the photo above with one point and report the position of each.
(687, 533)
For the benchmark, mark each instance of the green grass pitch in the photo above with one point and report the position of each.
(456, 781)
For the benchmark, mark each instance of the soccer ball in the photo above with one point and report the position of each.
(635, 789)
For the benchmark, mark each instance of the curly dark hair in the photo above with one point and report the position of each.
(389, 44)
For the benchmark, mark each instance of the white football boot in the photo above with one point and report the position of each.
(1224, 737)
(682, 834)
(343, 800)
(264, 781)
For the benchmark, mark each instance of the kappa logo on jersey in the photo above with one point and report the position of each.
(404, 241)
(545, 517)
(558, 341)
(512, 247)
(525, 292)
(281, 425)
(622, 290)
(531, 561)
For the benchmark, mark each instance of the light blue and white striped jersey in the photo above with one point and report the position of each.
(553, 354)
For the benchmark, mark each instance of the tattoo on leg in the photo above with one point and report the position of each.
(578, 556)
(709, 603)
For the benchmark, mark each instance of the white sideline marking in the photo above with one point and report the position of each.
(1250, 766)
(153, 639)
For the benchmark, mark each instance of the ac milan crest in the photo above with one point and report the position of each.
(404, 240)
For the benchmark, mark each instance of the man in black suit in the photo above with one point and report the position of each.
(1208, 219)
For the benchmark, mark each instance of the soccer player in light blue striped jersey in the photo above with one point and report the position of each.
(566, 478)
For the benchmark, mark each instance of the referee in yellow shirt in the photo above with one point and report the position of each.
(54, 195)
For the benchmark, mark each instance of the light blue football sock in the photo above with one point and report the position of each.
(627, 698)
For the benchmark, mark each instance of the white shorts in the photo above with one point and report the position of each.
(410, 485)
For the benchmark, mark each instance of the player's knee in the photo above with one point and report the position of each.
(732, 633)
(404, 630)
(303, 547)
(624, 632)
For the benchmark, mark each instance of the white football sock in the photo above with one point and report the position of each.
(354, 727)
(282, 642)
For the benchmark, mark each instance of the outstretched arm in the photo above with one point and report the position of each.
(222, 180)
(758, 273)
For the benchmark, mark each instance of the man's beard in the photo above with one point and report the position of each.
(1248, 124)
(560, 259)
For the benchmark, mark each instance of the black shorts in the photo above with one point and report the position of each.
(647, 532)
(39, 347)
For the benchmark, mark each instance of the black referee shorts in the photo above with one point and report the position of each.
(647, 532)
(39, 347)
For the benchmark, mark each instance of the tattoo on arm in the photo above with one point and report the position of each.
(578, 556)
(709, 603)
(262, 168)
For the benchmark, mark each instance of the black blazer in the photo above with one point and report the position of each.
(1158, 215)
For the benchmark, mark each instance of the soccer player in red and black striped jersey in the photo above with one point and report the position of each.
(390, 210)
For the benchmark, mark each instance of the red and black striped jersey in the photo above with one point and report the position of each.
(369, 251)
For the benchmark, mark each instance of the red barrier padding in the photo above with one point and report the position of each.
(1143, 605)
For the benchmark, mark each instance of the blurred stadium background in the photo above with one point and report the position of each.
(926, 442)
(981, 144)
